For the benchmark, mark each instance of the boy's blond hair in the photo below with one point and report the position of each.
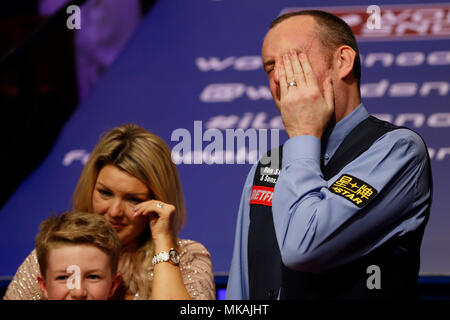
(77, 228)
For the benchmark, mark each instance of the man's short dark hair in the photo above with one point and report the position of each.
(333, 32)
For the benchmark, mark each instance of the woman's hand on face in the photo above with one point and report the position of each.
(160, 214)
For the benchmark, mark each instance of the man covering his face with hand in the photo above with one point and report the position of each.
(351, 193)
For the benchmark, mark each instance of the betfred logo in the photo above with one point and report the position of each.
(261, 195)
(395, 22)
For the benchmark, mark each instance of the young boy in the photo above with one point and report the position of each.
(78, 254)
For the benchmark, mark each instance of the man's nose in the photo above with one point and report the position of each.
(78, 294)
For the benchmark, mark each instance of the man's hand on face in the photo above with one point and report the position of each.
(304, 110)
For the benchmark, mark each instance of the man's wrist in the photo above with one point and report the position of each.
(305, 132)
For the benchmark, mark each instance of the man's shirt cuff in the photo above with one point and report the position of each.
(301, 147)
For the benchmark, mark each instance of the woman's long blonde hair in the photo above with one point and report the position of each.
(148, 158)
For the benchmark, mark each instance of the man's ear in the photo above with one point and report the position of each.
(43, 286)
(115, 283)
(345, 59)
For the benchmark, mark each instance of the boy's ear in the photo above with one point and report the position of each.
(115, 283)
(43, 286)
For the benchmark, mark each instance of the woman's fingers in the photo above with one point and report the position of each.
(156, 206)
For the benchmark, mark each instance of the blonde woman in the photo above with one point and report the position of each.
(131, 180)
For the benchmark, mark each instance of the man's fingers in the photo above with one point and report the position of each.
(282, 80)
(310, 77)
(288, 68)
(297, 68)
